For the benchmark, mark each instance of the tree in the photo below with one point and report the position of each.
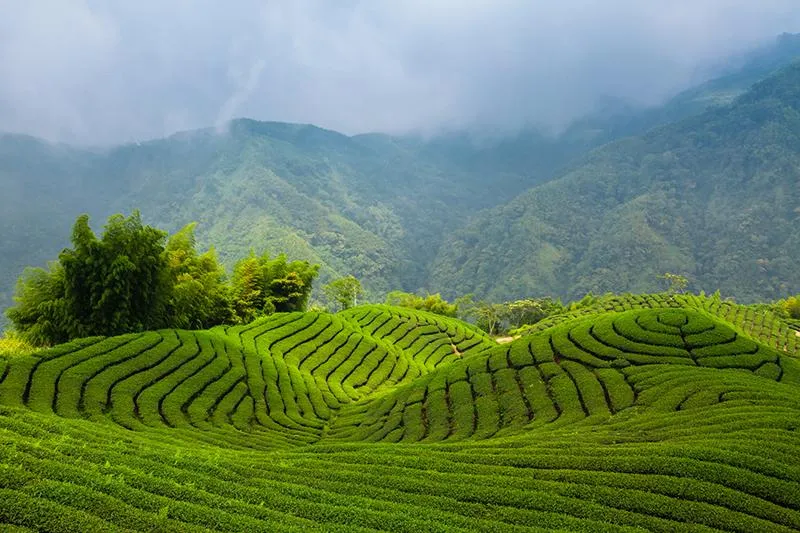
(489, 316)
(529, 311)
(119, 283)
(677, 283)
(40, 314)
(431, 302)
(289, 283)
(108, 286)
(247, 288)
(496, 318)
(791, 306)
(199, 297)
(344, 291)
(261, 286)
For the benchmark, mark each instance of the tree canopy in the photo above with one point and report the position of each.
(261, 286)
(136, 278)
(430, 302)
(344, 292)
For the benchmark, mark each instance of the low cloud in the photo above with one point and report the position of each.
(111, 71)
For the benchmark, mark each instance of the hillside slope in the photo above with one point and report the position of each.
(383, 419)
(714, 196)
(352, 204)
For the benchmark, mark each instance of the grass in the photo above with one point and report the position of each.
(379, 418)
(11, 345)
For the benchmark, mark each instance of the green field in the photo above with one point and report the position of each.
(665, 417)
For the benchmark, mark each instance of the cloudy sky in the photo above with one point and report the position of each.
(107, 71)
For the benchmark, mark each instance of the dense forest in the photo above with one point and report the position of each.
(713, 197)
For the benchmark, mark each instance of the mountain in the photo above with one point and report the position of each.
(714, 196)
(375, 206)
(388, 419)
(731, 79)
(389, 209)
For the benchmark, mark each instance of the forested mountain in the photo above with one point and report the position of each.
(380, 207)
(714, 196)
(371, 205)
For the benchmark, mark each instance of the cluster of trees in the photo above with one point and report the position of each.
(790, 307)
(433, 303)
(505, 317)
(136, 278)
(494, 318)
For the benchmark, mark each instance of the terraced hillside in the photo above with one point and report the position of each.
(756, 320)
(663, 419)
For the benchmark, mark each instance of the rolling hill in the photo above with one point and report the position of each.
(662, 416)
(713, 196)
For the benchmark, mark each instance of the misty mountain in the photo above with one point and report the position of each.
(376, 206)
(714, 196)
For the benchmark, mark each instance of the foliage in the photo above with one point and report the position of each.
(790, 306)
(12, 345)
(261, 286)
(41, 314)
(344, 292)
(676, 282)
(118, 283)
(134, 279)
(530, 311)
(199, 297)
(430, 302)
(104, 286)
(506, 317)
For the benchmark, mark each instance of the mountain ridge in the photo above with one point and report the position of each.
(634, 208)
(355, 204)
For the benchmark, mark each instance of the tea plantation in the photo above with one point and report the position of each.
(664, 416)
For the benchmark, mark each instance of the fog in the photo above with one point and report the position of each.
(102, 72)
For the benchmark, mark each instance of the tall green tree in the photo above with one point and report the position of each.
(344, 291)
(199, 296)
(41, 315)
(261, 286)
(119, 283)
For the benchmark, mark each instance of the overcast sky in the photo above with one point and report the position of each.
(110, 71)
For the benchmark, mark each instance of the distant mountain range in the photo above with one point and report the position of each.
(715, 196)
(706, 185)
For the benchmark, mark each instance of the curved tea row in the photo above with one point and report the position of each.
(280, 379)
(587, 368)
(757, 321)
(381, 419)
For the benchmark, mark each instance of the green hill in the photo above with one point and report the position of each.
(714, 197)
(380, 418)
